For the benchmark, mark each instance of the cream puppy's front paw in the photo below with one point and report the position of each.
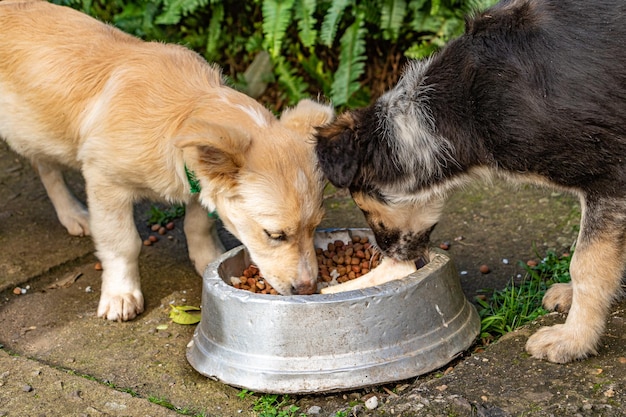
(560, 344)
(120, 307)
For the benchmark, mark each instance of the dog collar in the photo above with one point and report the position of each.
(194, 184)
(194, 187)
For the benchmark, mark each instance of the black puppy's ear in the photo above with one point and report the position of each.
(337, 150)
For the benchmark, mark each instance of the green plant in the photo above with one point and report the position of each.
(519, 304)
(346, 50)
(273, 405)
(162, 216)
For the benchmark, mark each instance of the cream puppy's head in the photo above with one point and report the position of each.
(261, 175)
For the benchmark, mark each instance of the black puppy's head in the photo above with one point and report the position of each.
(355, 153)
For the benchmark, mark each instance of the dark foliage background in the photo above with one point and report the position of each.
(347, 51)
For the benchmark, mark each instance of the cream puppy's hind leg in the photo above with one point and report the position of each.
(118, 246)
(202, 241)
(71, 213)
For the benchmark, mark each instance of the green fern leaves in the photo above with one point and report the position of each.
(331, 21)
(316, 47)
(276, 18)
(392, 15)
(351, 63)
(177, 8)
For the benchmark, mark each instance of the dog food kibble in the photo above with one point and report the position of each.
(341, 262)
(338, 262)
(484, 269)
(251, 280)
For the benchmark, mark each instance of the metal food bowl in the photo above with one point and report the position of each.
(330, 342)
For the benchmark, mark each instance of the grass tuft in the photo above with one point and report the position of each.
(520, 304)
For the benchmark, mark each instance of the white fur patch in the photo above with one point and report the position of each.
(96, 109)
(406, 117)
(259, 117)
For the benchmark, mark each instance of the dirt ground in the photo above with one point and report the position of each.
(58, 358)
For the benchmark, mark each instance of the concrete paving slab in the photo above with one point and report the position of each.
(77, 364)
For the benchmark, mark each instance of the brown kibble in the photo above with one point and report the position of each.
(162, 231)
(147, 242)
(484, 269)
(345, 261)
(17, 291)
(170, 226)
(153, 238)
(155, 227)
(532, 263)
(98, 266)
(444, 245)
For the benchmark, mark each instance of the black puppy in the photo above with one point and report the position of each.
(535, 91)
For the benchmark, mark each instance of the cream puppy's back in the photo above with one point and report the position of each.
(82, 97)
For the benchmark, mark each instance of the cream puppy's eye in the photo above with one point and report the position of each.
(280, 236)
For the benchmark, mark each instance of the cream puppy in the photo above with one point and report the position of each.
(133, 116)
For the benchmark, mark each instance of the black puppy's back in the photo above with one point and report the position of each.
(538, 87)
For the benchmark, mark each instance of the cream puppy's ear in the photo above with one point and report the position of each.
(215, 153)
(307, 115)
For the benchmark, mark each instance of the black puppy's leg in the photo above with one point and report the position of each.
(596, 270)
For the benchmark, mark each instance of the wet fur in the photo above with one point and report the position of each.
(534, 91)
(130, 115)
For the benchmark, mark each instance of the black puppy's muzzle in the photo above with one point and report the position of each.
(405, 246)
